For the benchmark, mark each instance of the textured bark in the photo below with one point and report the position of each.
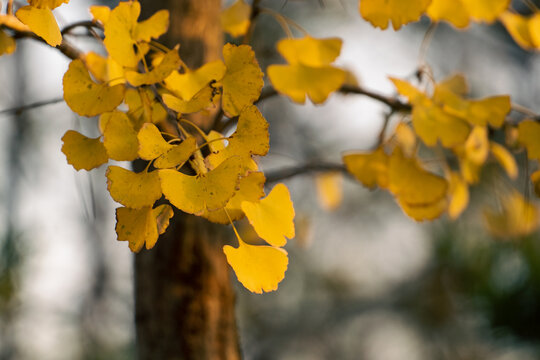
(183, 295)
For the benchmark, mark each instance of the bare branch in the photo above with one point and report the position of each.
(285, 173)
(20, 109)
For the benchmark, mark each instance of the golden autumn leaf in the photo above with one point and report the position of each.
(202, 100)
(272, 217)
(518, 217)
(170, 62)
(47, 4)
(83, 152)
(243, 79)
(477, 145)
(329, 190)
(119, 136)
(258, 268)
(250, 188)
(528, 135)
(7, 43)
(188, 84)
(100, 13)
(196, 194)
(521, 28)
(505, 159)
(406, 139)
(133, 190)
(42, 22)
(398, 12)
(151, 143)
(453, 12)
(177, 155)
(370, 168)
(485, 10)
(422, 212)
(235, 19)
(298, 81)
(310, 51)
(142, 226)
(12, 22)
(84, 96)
(144, 108)
(458, 193)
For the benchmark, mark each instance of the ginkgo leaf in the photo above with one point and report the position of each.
(296, 81)
(406, 139)
(243, 80)
(83, 152)
(11, 21)
(86, 97)
(235, 19)
(133, 190)
(329, 190)
(250, 188)
(119, 137)
(485, 10)
(151, 143)
(196, 194)
(529, 133)
(413, 185)
(452, 11)
(272, 217)
(100, 13)
(519, 27)
(535, 178)
(202, 100)
(371, 168)
(518, 217)
(47, 4)
(170, 62)
(258, 268)
(422, 212)
(177, 155)
(153, 27)
(143, 107)
(477, 145)
(310, 51)
(492, 110)
(42, 22)
(96, 65)
(187, 85)
(142, 226)
(458, 192)
(7, 43)
(399, 12)
(505, 159)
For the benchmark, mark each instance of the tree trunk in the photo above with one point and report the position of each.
(184, 300)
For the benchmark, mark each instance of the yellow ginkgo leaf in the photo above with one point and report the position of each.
(11, 21)
(296, 81)
(170, 62)
(119, 137)
(519, 27)
(96, 65)
(518, 217)
(83, 152)
(258, 268)
(413, 185)
(86, 97)
(422, 212)
(452, 11)
(406, 139)
(42, 22)
(196, 194)
(477, 145)
(177, 155)
(458, 193)
(243, 80)
(310, 51)
(187, 85)
(7, 43)
(250, 188)
(329, 190)
(100, 13)
(491, 110)
(535, 178)
(371, 168)
(528, 135)
(202, 100)
(153, 27)
(133, 190)
(151, 143)
(485, 10)
(47, 4)
(399, 12)
(505, 158)
(235, 19)
(143, 107)
(272, 217)
(142, 226)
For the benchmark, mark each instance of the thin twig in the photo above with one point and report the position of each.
(20, 109)
(285, 173)
(86, 24)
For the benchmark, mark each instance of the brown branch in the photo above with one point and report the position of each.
(89, 25)
(20, 109)
(285, 173)
(65, 47)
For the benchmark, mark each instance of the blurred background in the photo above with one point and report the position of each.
(364, 281)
